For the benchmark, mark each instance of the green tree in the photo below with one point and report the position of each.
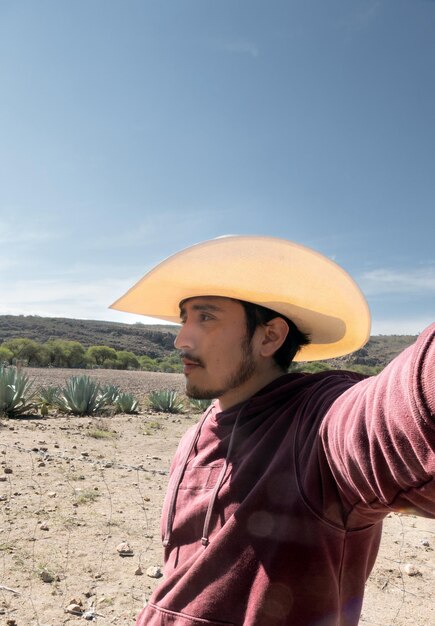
(66, 353)
(26, 350)
(170, 363)
(148, 364)
(127, 360)
(96, 355)
(6, 355)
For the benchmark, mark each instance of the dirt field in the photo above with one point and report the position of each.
(73, 489)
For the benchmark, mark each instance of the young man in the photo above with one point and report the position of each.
(276, 498)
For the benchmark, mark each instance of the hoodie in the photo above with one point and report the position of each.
(274, 508)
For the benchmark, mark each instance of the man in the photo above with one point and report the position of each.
(276, 498)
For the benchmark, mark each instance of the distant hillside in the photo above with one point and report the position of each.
(153, 340)
(157, 341)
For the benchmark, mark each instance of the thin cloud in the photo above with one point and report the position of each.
(154, 227)
(13, 233)
(387, 281)
(70, 299)
(58, 296)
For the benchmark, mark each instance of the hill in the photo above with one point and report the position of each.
(157, 341)
(154, 340)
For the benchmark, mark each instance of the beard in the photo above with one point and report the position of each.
(241, 373)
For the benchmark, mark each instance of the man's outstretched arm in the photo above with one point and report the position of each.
(379, 437)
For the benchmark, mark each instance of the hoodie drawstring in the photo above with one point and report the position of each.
(205, 531)
(179, 477)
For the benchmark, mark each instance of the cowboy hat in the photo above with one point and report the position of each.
(301, 284)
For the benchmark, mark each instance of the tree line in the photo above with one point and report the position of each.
(72, 354)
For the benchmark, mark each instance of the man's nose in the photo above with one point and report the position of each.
(183, 340)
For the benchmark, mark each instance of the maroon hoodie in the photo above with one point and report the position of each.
(274, 509)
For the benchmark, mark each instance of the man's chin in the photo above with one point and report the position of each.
(194, 393)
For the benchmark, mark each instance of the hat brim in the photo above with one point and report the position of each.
(305, 286)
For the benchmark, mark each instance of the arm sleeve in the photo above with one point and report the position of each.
(379, 438)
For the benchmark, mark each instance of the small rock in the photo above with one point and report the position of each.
(75, 609)
(411, 570)
(51, 494)
(41, 464)
(76, 601)
(8, 470)
(425, 543)
(124, 549)
(154, 572)
(44, 526)
(46, 577)
(3, 479)
(139, 571)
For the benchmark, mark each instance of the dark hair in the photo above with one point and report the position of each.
(257, 315)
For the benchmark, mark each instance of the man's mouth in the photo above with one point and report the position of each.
(190, 364)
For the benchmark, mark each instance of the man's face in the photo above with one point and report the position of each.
(215, 349)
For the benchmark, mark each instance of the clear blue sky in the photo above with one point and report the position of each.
(130, 129)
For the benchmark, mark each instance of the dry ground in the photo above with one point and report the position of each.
(79, 487)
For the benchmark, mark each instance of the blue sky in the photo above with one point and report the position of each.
(130, 129)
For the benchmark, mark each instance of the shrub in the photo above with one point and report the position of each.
(166, 400)
(81, 396)
(14, 390)
(126, 403)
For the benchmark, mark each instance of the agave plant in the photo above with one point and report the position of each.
(14, 390)
(81, 396)
(110, 393)
(167, 401)
(199, 404)
(48, 396)
(126, 403)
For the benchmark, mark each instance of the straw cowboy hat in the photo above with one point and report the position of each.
(308, 288)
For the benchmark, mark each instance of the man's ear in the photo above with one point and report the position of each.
(274, 335)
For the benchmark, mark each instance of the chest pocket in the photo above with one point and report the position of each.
(200, 478)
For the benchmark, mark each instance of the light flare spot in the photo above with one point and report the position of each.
(261, 524)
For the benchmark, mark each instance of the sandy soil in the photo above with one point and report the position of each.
(73, 489)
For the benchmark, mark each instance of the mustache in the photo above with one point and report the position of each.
(189, 357)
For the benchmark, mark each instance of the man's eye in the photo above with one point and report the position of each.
(204, 317)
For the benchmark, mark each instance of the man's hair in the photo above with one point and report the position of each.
(257, 315)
